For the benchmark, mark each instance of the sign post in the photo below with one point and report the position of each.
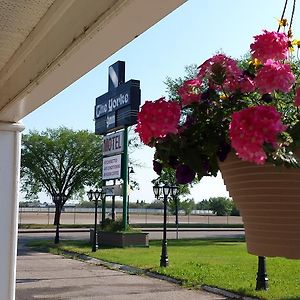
(114, 110)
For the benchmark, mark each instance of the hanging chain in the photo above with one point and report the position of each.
(282, 15)
(291, 21)
(283, 21)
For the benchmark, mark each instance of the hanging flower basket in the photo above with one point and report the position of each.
(268, 198)
(240, 117)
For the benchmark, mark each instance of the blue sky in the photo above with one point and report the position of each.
(191, 34)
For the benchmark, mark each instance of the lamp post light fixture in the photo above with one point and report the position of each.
(157, 191)
(94, 196)
(165, 190)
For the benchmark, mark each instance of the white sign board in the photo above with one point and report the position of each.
(113, 190)
(111, 167)
(113, 143)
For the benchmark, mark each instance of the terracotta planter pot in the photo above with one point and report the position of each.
(268, 198)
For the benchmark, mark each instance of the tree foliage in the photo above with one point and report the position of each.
(174, 83)
(187, 206)
(60, 162)
(203, 205)
(221, 206)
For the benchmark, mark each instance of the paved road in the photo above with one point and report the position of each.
(40, 216)
(46, 276)
(192, 233)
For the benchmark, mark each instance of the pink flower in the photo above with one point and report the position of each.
(274, 76)
(270, 45)
(247, 85)
(250, 128)
(157, 119)
(189, 92)
(222, 67)
(297, 98)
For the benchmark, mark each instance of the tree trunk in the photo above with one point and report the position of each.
(57, 215)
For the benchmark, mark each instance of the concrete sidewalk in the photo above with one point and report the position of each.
(46, 276)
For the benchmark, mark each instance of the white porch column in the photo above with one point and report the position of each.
(10, 141)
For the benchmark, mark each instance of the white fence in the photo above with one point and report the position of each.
(75, 215)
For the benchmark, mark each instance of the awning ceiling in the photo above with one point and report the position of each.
(45, 45)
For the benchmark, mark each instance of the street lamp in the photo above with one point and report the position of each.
(166, 190)
(94, 196)
(57, 204)
(130, 171)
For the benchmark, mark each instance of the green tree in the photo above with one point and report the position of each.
(187, 206)
(85, 204)
(203, 205)
(221, 206)
(60, 162)
(156, 204)
(173, 84)
(33, 203)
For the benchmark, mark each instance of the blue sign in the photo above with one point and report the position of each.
(118, 107)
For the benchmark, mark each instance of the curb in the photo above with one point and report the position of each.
(138, 271)
(107, 264)
(120, 267)
(226, 293)
(163, 277)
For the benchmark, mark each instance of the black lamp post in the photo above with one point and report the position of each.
(166, 189)
(262, 277)
(113, 205)
(94, 196)
(174, 194)
(56, 201)
(130, 171)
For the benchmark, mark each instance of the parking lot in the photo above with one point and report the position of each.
(76, 216)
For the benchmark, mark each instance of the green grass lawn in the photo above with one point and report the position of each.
(223, 263)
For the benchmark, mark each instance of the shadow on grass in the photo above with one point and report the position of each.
(51, 226)
(49, 246)
(200, 242)
(46, 245)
